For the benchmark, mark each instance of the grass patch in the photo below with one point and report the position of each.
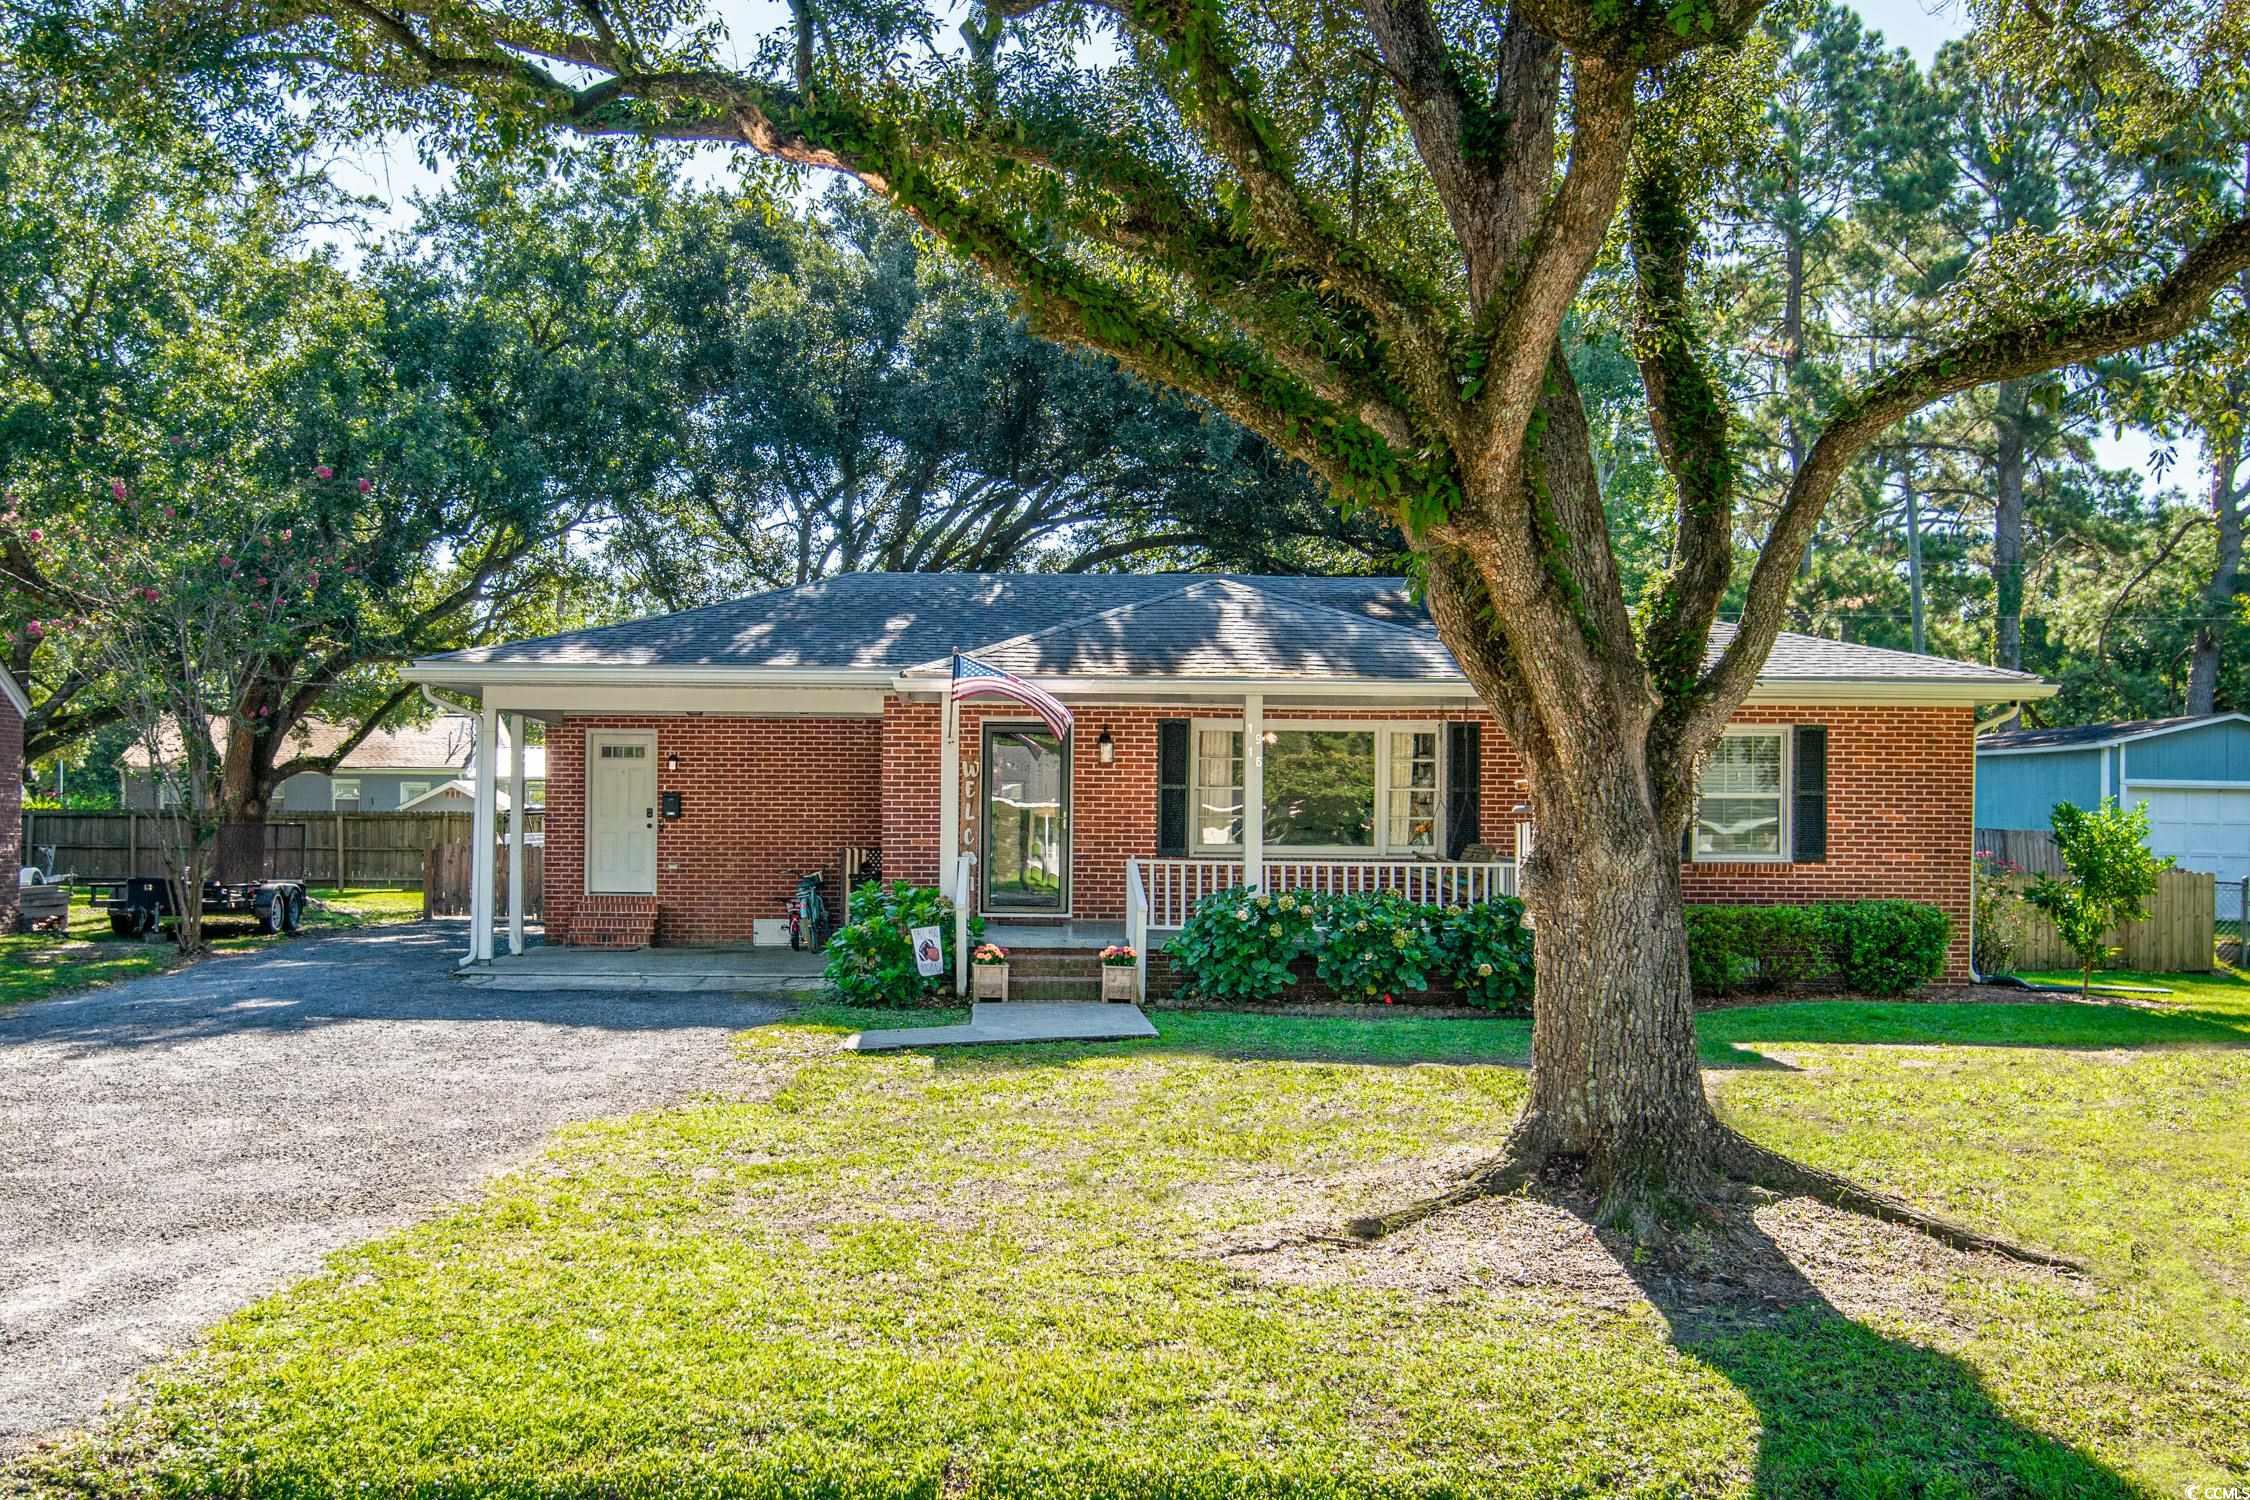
(42, 965)
(995, 1271)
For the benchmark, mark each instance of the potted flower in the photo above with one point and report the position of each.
(1120, 970)
(989, 964)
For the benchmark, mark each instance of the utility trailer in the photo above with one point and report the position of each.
(139, 904)
(241, 885)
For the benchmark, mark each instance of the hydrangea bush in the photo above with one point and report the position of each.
(871, 958)
(1373, 947)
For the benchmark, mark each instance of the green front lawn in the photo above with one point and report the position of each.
(1068, 1271)
(39, 966)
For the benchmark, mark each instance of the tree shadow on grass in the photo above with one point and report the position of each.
(1842, 1409)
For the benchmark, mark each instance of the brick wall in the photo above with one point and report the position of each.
(764, 800)
(11, 810)
(1901, 817)
(769, 798)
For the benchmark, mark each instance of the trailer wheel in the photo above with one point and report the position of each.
(271, 916)
(125, 922)
(293, 910)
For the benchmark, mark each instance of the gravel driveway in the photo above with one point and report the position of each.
(176, 1146)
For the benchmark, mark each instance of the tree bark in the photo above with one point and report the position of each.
(2219, 595)
(2007, 524)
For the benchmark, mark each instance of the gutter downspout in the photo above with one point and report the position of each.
(430, 697)
(1983, 726)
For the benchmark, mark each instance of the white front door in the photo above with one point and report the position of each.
(621, 813)
(2204, 828)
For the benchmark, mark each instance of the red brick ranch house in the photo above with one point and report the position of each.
(1290, 732)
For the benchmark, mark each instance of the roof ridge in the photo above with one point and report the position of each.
(1736, 625)
(1197, 581)
(669, 614)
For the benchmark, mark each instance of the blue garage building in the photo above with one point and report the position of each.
(2193, 772)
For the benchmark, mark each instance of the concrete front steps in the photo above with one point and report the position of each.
(1054, 975)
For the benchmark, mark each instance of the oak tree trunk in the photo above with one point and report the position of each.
(1615, 1080)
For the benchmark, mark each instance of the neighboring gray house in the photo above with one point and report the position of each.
(2193, 772)
(408, 768)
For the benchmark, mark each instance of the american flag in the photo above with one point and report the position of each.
(973, 679)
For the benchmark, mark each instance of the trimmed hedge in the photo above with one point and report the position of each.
(1856, 947)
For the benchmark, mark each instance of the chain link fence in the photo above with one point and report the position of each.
(2233, 926)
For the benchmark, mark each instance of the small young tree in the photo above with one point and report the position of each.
(2112, 875)
(183, 595)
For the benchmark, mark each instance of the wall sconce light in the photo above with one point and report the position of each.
(672, 761)
(1105, 749)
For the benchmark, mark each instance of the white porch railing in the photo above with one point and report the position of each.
(1136, 926)
(1174, 886)
(964, 894)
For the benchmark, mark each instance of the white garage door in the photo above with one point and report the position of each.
(2203, 830)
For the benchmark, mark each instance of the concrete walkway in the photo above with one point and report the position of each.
(1016, 1021)
(548, 968)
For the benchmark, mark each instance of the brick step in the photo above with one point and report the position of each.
(1067, 967)
(618, 922)
(1020, 988)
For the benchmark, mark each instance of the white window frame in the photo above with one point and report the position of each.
(1786, 852)
(1382, 729)
(409, 790)
(343, 789)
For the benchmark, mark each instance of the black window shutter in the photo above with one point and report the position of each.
(1172, 787)
(1809, 812)
(1464, 787)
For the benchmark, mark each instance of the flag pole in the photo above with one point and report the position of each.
(949, 807)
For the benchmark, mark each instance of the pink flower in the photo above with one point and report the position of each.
(226, 562)
(33, 535)
(365, 486)
(324, 472)
(261, 580)
(117, 488)
(34, 629)
(312, 579)
(171, 514)
(1386, 997)
(286, 533)
(350, 568)
(149, 595)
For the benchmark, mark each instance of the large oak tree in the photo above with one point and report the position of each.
(1357, 227)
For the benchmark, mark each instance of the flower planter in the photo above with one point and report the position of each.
(989, 981)
(1117, 982)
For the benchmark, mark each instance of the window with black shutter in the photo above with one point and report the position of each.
(1464, 788)
(1172, 787)
(1808, 812)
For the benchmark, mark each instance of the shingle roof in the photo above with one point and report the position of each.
(1111, 625)
(2069, 735)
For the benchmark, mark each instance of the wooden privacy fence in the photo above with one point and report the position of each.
(2177, 937)
(445, 882)
(2031, 850)
(341, 849)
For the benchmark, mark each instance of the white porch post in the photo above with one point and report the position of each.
(515, 833)
(1254, 789)
(949, 825)
(483, 833)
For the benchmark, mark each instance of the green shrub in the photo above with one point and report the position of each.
(1484, 950)
(2112, 875)
(1886, 947)
(1374, 945)
(1238, 943)
(871, 961)
(1733, 949)
(1861, 947)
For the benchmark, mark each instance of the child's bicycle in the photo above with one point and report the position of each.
(808, 914)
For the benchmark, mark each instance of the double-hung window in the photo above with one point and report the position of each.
(1329, 788)
(1742, 802)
